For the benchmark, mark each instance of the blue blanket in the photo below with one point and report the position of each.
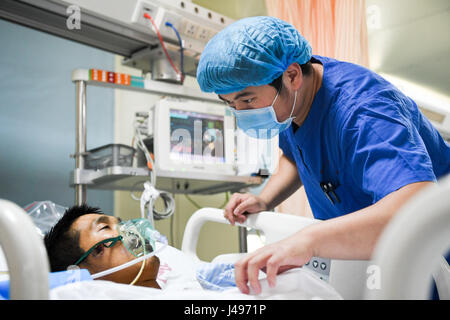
(216, 276)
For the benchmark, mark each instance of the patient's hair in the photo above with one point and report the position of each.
(62, 244)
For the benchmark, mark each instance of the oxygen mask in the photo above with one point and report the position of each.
(138, 236)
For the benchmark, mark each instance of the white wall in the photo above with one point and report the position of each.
(37, 115)
(410, 39)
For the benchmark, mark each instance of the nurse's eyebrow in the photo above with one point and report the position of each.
(239, 95)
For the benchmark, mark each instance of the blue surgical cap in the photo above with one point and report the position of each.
(250, 52)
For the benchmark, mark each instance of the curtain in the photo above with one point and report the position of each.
(334, 28)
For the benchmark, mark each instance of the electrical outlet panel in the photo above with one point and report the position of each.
(141, 8)
(196, 25)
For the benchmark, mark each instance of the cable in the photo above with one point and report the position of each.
(193, 202)
(199, 207)
(150, 192)
(168, 24)
(142, 265)
(140, 143)
(147, 16)
(169, 204)
(172, 237)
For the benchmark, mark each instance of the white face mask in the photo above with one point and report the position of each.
(262, 123)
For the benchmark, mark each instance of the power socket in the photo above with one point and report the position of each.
(204, 34)
(190, 29)
(138, 14)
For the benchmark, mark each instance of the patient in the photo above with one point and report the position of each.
(80, 229)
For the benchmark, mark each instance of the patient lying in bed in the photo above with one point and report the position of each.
(82, 227)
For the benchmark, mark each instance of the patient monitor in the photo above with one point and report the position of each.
(192, 136)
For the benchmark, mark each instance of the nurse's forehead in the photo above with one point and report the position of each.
(243, 93)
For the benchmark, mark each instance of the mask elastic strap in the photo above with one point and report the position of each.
(278, 92)
(293, 106)
(127, 264)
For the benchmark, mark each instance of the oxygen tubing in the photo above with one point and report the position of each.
(127, 264)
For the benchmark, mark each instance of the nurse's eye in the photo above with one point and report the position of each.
(248, 100)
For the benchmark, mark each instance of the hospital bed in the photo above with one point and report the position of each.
(408, 254)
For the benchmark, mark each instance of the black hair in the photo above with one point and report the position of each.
(62, 244)
(306, 70)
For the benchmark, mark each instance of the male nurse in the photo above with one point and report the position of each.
(358, 145)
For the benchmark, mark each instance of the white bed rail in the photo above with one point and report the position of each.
(275, 226)
(408, 254)
(348, 277)
(25, 254)
(410, 249)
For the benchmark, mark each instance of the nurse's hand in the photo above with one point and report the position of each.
(292, 252)
(241, 204)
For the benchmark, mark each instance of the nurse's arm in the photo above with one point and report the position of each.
(284, 182)
(354, 235)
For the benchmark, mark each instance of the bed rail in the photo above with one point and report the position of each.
(409, 251)
(408, 255)
(275, 226)
(347, 276)
(25, 254)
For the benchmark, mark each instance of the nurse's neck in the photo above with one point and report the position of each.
(307, 92)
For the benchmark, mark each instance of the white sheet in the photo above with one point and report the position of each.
(178, 282)
(177, 270)
(296, 284)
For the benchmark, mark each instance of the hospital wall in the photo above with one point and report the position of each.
(235, 9)
(37, 115)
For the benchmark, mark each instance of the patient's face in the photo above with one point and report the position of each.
(94, 228)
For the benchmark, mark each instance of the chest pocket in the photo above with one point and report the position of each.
(321, 174)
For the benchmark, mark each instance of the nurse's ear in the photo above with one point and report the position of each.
(293, 77)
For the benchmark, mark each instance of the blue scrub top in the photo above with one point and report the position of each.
(364, 137)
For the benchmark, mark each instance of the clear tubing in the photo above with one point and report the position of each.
(127, 264)
(142, 267)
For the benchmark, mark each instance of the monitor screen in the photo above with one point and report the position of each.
(196, 137)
